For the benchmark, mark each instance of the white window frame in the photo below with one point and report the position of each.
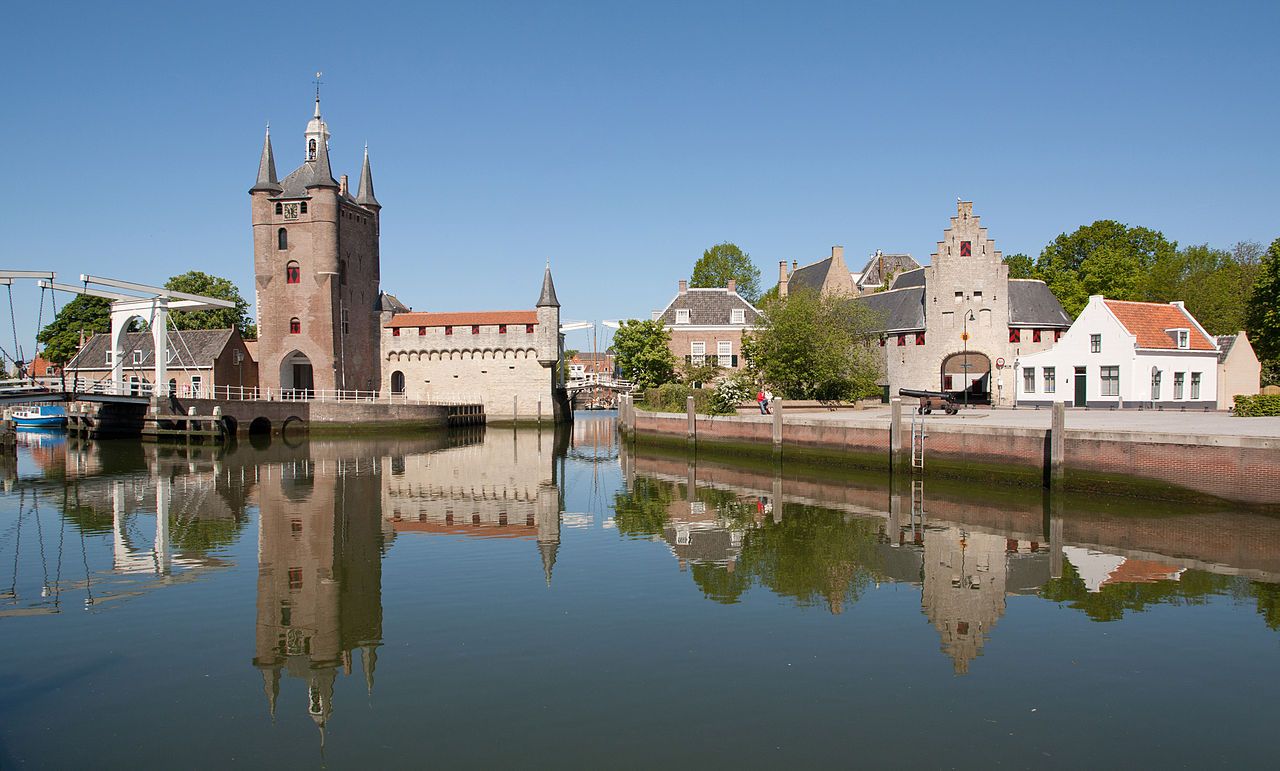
(738, 316)
(698, 351)
(682, 315)
(1050, 380)
(1195, 385)
(137, 357)
(195, 386)
(724, 351)
(1095, 343)
(1028, 380)
(1156, 377)
(1179, 381)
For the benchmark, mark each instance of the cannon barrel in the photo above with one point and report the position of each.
(918, 394)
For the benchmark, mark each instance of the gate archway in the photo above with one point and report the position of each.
(967, 370)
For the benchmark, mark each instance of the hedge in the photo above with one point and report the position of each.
(1260, 405)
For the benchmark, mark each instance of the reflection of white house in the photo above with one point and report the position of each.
(1121, 353)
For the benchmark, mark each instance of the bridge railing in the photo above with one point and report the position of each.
(236, 393)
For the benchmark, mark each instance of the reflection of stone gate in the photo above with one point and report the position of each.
(967, 370)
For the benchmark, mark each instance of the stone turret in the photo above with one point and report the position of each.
(548, 322)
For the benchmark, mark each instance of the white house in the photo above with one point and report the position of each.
(1124, 354)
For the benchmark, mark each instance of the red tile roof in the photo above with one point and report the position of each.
(416, 319)
(1148, 322)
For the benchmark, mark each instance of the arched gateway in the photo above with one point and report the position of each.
(969, 370)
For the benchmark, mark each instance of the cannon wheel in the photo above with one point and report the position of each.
(952, 410)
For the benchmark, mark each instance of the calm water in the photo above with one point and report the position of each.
(514, 598)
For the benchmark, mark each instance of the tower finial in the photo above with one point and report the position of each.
(317, 82)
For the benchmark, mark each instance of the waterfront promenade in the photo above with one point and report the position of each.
(1166, 454)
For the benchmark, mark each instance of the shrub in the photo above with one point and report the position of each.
(730, 392)
(1260, 405)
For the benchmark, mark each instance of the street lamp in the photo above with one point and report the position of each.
(965, 337)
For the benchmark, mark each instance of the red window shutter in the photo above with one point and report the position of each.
(475, 329)
(448, 330)
(528, 329)
(919, 338)
(395, 331)
(1035, 336)
(902, 339)
(502, 329)
(1015, 335)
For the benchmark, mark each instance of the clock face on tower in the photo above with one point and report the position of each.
(291, 211)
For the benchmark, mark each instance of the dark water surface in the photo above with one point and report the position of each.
(521, 599)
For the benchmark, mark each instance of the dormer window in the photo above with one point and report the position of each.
(682, 316)
(738, 316)
(137, 357)
(1181, 336)
(311, 149)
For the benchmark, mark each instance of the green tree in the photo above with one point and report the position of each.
(1106, 258)
(643, 352)
(1214, 283)
(1263, 316)
(197, 282)
(1020, 266)
(84, 314)
(814, 346)
(723, 262)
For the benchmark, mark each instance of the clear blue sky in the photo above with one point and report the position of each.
(620, 140)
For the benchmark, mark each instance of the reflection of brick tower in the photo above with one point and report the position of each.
(319, 583)
(315, 250)
(964, 589)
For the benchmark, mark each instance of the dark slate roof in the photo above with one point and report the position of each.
(365, 196)
(881, 265)
(911, 278)
(900, 310)
(389, 302)
(267, 169)
(706, 545)
(194, 348)
(1032, 304)
(548, 296)
(810, 276)
(709, 307)
(1224, 346)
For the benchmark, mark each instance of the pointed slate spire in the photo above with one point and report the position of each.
(267, 181)
(548, 297)
(365, 196)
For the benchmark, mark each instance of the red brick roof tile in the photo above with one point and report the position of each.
(1148, 322)
(469, 318)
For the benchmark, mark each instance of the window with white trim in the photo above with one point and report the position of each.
(1050, 380)
(724, 350)
(1155, 385)
(698, 350)
(682, 316)
(137, 357)
(1095, 343)
(1195, 385)
(1178, 379)
(1029, 380)
(738, 316)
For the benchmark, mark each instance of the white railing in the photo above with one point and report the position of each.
(235, 393)
(597, 380)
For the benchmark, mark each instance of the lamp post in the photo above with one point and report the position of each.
(968, 317)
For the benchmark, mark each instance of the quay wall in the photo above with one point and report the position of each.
(1168, 466)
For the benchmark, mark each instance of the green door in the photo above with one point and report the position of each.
(1081, 388)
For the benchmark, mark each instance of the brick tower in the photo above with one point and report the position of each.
(315, 258)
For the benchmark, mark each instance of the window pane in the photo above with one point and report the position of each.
(1050, 380)
(1029, 379)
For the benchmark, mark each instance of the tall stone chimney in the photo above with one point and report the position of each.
(684, 286)
(342, 185)
(782, 278)
(732, 286)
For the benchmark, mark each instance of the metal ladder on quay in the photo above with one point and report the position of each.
(917, 440)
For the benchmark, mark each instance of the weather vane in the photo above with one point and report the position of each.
(317, 81)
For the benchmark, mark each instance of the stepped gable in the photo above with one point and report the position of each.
(1033, 304)
(1148, 322)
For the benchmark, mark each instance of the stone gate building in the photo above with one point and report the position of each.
(951, 325)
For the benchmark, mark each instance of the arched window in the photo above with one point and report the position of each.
(311, 150)
(279, 208)
(282, 239)
(291, 272)
(295, 326)
(304, 207)
(397, 382)
(173, 386)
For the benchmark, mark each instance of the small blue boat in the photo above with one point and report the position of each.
(48, 416)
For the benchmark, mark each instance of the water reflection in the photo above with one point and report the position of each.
(828, 542)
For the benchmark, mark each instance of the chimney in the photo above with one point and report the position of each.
(655, 315)
(782, 278)
(342, 185)
(684, 286)
(837, 255)
(733, 286)
(794, 265)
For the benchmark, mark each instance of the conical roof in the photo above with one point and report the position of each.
(267, 169)
(548, 296)
(365, 196)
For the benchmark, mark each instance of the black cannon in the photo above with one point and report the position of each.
(931, 400)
